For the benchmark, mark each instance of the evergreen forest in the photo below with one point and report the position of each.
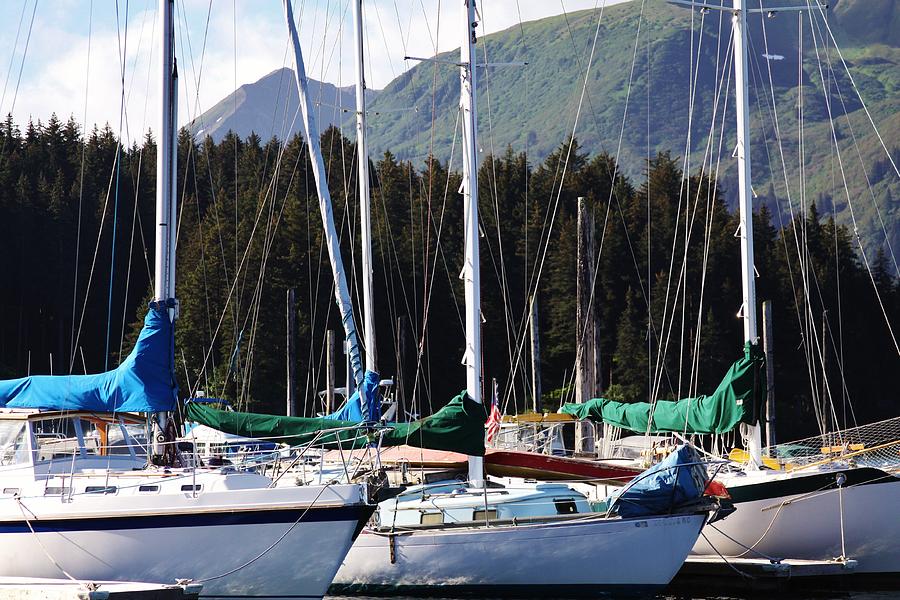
(76, 254)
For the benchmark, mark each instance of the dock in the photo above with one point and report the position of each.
(35, 588)
(757, 573)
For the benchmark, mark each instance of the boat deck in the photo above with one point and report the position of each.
(35, 588)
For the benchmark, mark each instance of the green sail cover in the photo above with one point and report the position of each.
(737, 399)
(457, 427)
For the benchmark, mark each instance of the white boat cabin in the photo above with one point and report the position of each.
(68, 454)
(454, 503)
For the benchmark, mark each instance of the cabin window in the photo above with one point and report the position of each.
(62, 438)
(96, 436)
(432, 518)
(148, 488)
(55, 491)
(11, 491)
(191, 488)
(485, 515)
(565, 506)
(13, 444)
(101, 489)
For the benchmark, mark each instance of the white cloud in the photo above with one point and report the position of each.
(57, 73)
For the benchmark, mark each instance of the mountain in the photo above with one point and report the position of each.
(532, 108)
(267, 108)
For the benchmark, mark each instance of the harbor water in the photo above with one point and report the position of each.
(812, 592)
(711, 594)
(788, 594)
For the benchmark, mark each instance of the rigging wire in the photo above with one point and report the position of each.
(660, 368)
(123, 50)
(853, 136)
(723, 79)
(21, 69)
(12, 106)
(526, 185)
(553, 205)
(136, 177)
(793, 218)
(847, 192)
(804, 317)
(191, 167)
(12, 55)
(555, 202)
(426, 230)
(87, 80)
(510, 325)
(614, 181)
(251, 320)
(855, 87)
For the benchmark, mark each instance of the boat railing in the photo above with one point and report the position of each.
(304, 448)
(872, 445)
(554, 438)
(82, 457)
(286, 458)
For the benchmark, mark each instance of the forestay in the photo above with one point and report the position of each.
(737, 399)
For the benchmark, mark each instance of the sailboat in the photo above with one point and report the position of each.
(833, 510)
(72, 505)
(469, 537)
(826, 509)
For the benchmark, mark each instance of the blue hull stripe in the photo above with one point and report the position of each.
(354, 514)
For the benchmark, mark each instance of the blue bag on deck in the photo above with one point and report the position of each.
(679, 479)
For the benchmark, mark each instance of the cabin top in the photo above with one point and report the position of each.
(36, 414)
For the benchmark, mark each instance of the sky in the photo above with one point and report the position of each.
(66, 56)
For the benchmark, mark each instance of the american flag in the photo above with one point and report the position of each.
(493, 422)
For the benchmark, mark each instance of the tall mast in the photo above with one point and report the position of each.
(748, 305)
(471, 268)
(364, 208)
(166, 161)
(166, 172)
(341, 290)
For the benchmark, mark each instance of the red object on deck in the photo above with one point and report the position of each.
(504, 463)
(716, 489)
(531, 465)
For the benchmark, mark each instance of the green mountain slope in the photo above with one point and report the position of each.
(533, 107)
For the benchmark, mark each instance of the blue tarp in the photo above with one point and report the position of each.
(677, 480)
(144, 382)
(361, 408)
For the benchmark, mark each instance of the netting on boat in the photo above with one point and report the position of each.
(873, 445)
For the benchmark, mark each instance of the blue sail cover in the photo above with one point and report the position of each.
(677, 480)
(361, 407)
(144, 382)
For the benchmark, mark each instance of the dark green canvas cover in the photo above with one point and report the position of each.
(737, 399)
(457, 427)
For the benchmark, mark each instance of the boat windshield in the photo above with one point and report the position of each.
(13, 444)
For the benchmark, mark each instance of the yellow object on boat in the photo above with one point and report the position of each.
(742, 456)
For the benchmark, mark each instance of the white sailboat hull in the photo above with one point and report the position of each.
(585, 555)
(808, 524)
(199, 538)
